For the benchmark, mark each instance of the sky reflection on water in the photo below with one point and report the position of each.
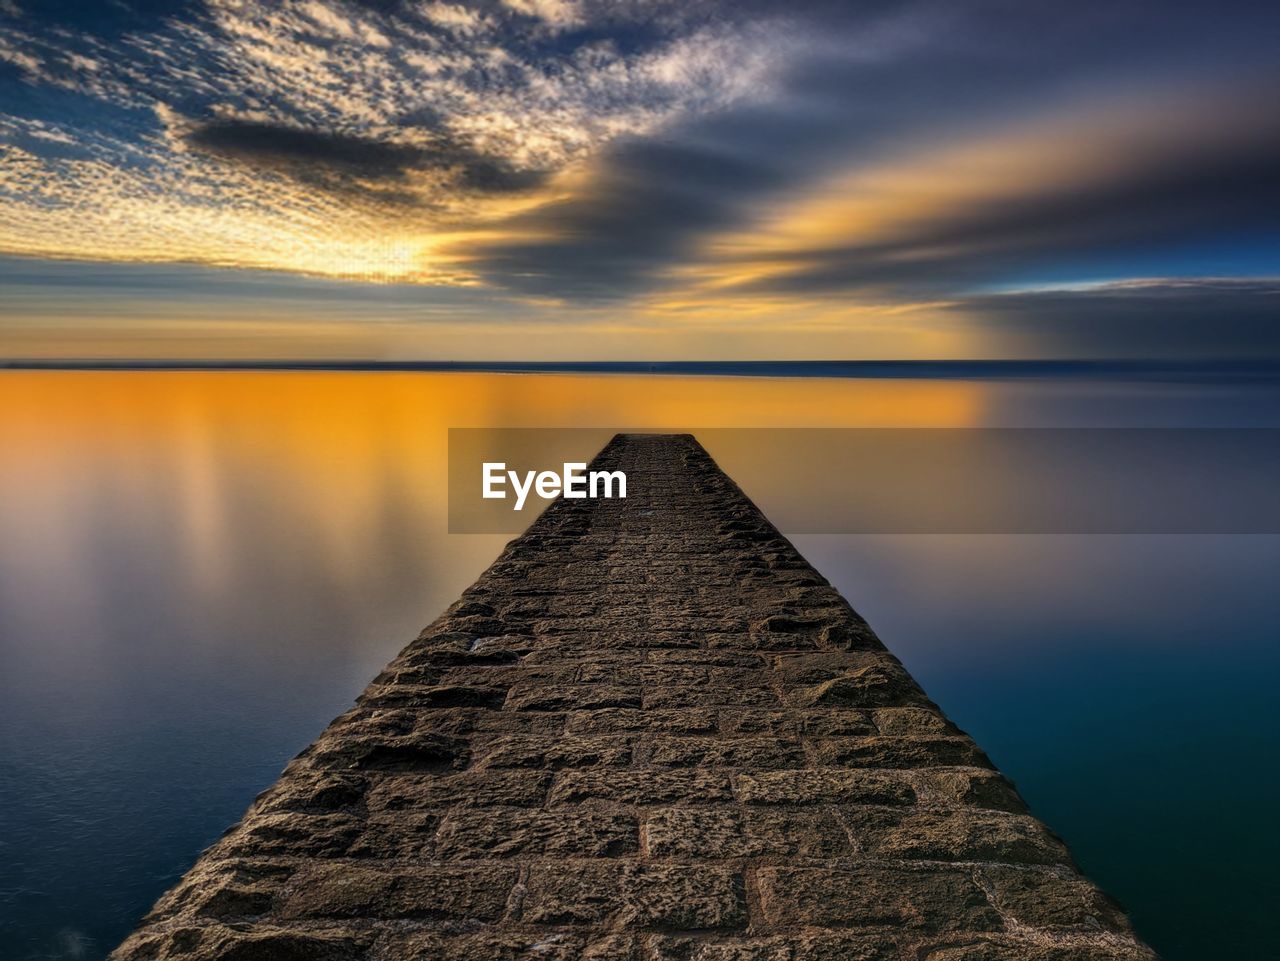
(199, 570)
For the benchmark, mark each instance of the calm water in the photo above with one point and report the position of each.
(199, 570)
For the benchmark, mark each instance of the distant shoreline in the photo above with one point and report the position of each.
(859, 369)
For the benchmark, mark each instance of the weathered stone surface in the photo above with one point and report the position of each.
(475, 788)
(568, 893)
(294, 835)
(503, 832)
(900, 752)
(683, 897)
(526, 946)
(837, 723)
(825, 786)
(550, 752)
(643, 896)
(564, 697)
(909, 720)
(800, 946)
(437, 696)
(434, 891)
(910, 834)
(939, 899)
(699, 834)
(649, 732)
(642, 787)
(608, 721)
(986, 789)
(1032, 949)
(1044, 899)
(263, 943)
(872, 686)
(749, 753)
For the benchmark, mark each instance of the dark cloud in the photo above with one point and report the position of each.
(349, 162)
(1189, 191)
(275, 145)
(648, 204)
(904, 85)
(652, 200)
(1208, 319)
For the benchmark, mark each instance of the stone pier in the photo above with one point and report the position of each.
(652, 732)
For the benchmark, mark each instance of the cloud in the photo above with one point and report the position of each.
(1097, 187)
(1202, 318)
(344, 161)
(797, 166)
(645, 203)
(279, 145)
(558, 13)
(312, 135)
(642, 208)
(1011, 145)
(1200, 163)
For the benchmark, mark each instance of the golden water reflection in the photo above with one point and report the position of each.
(199, 570)
(339, 465)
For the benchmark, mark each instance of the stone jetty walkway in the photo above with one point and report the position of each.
(652, 732)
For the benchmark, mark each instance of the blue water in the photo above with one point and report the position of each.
(1127, 685)
(198, 572)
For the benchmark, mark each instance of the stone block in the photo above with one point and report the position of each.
(761, 721)
(315, 793)
(698, 834)
(620, 720)
(824, 786)
(292, 835)
(965, 835)
(459, 695)
(405, 834)
(571, 697)
(569, 893)
(799, 946)
(683, 897)
(507, 832)
(1050, 900)
(869, 896)
(1032, 948)
(472, 788)
(436, 892)
(748, 753)
(409, 752)
(837, 722)
(976, 788)
(261, 943)
(898, 721)
(690, 697)
(641, 787)
(639, 896)
(900, 752)
(876, 686)
(555, 752)
(488, 946)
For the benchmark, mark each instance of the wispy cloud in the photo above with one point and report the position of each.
(1089, 186)
(432, 106)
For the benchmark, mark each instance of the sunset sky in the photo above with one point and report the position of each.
(571, 179)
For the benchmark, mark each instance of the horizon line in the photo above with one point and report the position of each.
(869, 369)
